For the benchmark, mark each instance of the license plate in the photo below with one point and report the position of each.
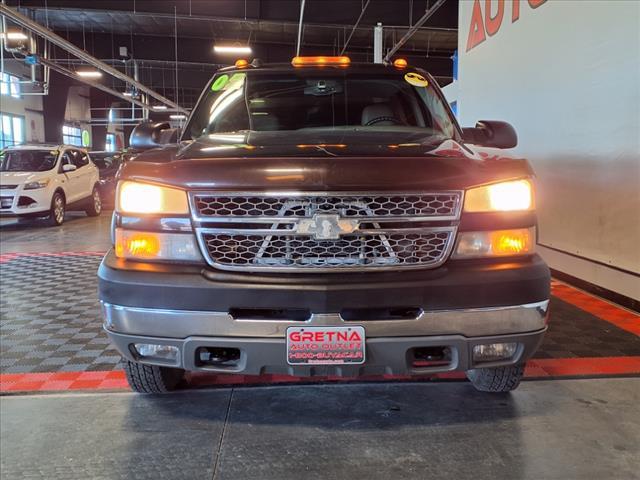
(325, 345)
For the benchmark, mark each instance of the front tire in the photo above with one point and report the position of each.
(57, 211)
(95, 203)
(496, 379)
(152, 378)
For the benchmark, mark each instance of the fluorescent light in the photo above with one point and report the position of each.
(229, 49)
(177, 116)
(89, 73)
(128, 94)
(15, 36)
(159, 107)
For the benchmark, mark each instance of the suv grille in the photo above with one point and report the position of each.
(325, 232)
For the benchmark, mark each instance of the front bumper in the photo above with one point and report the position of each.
(40, 202)
(391, 346)
(459, 305)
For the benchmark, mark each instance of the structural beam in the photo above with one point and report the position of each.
(99, 86)
(364, 9)
(300, 28)
(414, 29)
(47, 34)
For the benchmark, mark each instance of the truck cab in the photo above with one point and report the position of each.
(326, 218)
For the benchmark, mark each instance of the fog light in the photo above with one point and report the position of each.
(493, 351)
(158, 352)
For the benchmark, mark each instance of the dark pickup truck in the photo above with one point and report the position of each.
(325, 218)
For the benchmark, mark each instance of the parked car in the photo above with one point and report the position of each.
(108, 164)
(325, 218)
(46, 181)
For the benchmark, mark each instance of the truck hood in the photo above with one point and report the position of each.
(325, 160)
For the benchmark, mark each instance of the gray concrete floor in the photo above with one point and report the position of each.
(570, 429)
(78, 233)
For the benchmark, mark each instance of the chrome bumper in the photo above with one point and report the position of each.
(185, 323)
(263, 347)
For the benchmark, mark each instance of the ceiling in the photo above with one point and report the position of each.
(169, 33)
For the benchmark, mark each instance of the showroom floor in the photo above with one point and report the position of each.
(64, 395)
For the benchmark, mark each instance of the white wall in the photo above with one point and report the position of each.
(29, 106)
(566, 74)
(78, 110)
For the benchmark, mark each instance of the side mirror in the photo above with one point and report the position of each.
(152, 135)
(491, 133)
(67, 167)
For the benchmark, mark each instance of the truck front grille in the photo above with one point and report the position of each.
(300, 232)
(395, 205)
(289, 251)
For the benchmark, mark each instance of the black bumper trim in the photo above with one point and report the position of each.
(456, 285)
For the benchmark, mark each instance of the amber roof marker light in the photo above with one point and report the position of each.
(320, 60)
(400, 63)
(242, 63)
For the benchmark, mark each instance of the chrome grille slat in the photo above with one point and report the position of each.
(266, 236)
(439, 205)
(286, 251)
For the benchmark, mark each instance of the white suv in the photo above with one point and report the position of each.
(39, 181)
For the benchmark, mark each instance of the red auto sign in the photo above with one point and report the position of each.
(325, 345)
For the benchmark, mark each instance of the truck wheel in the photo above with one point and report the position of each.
(496, 379)
(56, 213)
(94, 204)
(152, 378)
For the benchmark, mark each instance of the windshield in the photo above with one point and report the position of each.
(27, 160)
(320, 98)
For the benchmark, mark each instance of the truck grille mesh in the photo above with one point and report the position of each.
(325, 231)
(307, 252)
(431, 205)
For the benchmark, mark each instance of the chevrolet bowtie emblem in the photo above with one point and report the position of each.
(326, 226)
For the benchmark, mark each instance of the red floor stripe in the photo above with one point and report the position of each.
(115, 380)
(606, 311)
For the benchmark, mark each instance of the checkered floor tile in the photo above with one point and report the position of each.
(50, 316)
(50, 320)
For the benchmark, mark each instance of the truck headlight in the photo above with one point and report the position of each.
(515, 195)
(136, 245)
(144, 198)
(36, 185)
(496, 243)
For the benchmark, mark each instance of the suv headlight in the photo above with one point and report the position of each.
(514, 195)
(36, 185)
(144, 198)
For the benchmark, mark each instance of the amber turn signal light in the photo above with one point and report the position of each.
(137, 245)
(320, 60)
(400, 63)
(496, 243)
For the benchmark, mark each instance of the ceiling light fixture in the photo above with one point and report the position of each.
(89, 73)
(15, 36)
(232, 49)
(159, 107)
(177, 116)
